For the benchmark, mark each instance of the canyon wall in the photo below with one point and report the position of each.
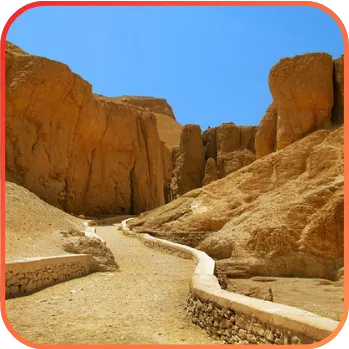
(277, 208)
(76, 150)
(308, 95)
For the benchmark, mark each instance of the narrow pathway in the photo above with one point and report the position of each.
(143, 303)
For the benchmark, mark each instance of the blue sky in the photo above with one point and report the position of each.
(210, 63)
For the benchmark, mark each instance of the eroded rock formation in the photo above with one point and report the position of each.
(189, 161)
(302, 89)
(78, 151)
(168, 128)
(338, 110)
(282, 215)
(265, 141)
(210, 171)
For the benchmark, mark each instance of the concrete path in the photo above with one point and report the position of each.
(143, 303)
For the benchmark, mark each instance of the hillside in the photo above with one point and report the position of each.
(282, 215)
(32, 226)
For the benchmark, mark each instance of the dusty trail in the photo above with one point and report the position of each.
(143, 303)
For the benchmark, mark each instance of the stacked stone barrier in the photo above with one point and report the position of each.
(29, 275)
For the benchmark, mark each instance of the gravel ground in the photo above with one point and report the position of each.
(143, 303)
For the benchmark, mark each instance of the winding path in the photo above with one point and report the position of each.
(144, 303)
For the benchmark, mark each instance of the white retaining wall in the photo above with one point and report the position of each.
(236, 318)
(33, 274)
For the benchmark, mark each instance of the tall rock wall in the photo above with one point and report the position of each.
(338, 81)
(189, 164)
(75, 150)
(302, 89)
(307, 95)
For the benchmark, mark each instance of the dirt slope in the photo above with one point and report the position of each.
(36, 229)
(33, 226)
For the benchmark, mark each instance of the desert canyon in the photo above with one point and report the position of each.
(264, 202)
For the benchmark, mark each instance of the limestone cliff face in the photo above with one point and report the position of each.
(168, 128)
(302, 89)
(282, 215)
(338, 110)
(189, 164)
(75, 150)
(235, 147)
(308, 95)
(210, 171)
(265, 141)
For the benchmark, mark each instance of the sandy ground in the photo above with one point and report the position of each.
(143, 303)
(318, 296)
(33, 226)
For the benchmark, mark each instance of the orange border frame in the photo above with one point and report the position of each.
(173, 3)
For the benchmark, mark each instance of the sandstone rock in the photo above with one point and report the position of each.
(302, 89)
(14, 289)
(190, 162)
(166, 156)
(251, 338)
(210, 144)
(247, 137)
(228, 138)
(156, 105)
(242, 334)
(270, 217)
(78, 151)
(168, 128)
(210, 171)
(265, 141)
(338, 109)
(295, 340)
(340, 275)
(94, 247)
(231, 162)
(174, 153)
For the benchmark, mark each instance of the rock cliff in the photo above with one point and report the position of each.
(282, 215)
(189, 161)
(307, 93)
(78, 151)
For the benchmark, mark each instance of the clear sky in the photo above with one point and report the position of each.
(210, 63)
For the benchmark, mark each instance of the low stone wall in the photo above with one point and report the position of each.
(235, 328)
(33, 274)
(235, 318)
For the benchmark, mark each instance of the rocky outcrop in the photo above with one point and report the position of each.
(228, 138)
(75, 150)
(168, 128)
(76, 242)
(231, 162)
(307, 92)
(235, 147)
(282, 215)
(210, 143)
(154, 105)
(338, 81)
(265, 142)
(302, 89)
(166, 156)
(227, 148)
(210, 171)
(190, 161)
